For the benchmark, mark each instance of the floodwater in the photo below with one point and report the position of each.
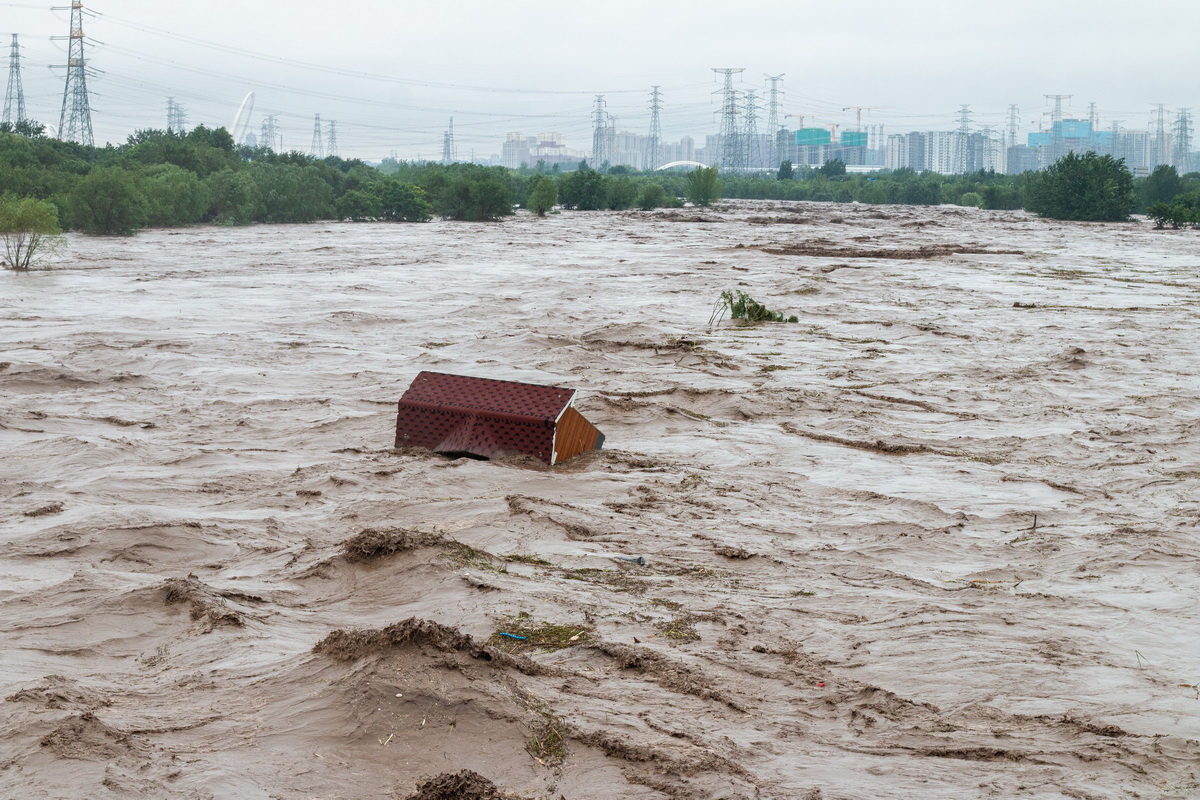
(936, 540)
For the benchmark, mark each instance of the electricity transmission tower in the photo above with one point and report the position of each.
(1094, 122)
(1160, 136)
(989, 152)
(610, 138)
(270, 133)
(176, 116)
(75, 122)
(449, 152)
(1058, 105)
(317, 148)
(14, 98)
(331, 146)
(753, 152)
(654, 144)
(964, 140)
(1013, 121)
(1183, 140)
(773, 119)
(1056, 126)
(600, 152)
(731, 149)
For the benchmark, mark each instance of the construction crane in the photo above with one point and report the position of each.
(797, 116)
(833, 126)
(858, 113)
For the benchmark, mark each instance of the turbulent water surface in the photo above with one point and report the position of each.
(936, 540)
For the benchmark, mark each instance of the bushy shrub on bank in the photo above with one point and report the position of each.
(1091, 188)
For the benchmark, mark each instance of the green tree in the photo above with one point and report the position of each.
(292, 193)
(702, 186)
(359, 206)
(30, 230)
(583, 189)
(475, 195)
(108, 201)
(1001, 197)
(971, 199)
(174, 196)
(543, 194)
(402, 201)
(1163, 185)
(651, 196)
(621, 193)
(1089, 188)
(1174, 214)
(786, 173)
(833, 169)
(235, 197)
(29, 128)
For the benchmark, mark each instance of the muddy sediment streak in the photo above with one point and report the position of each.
(935, 540)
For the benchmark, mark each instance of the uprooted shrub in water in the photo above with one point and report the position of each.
(740, 305)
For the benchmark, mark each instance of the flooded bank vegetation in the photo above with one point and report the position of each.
(170, 179)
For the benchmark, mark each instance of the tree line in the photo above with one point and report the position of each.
(163, 178)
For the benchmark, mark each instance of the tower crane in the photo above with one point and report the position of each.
(798, 116)
(858, 113)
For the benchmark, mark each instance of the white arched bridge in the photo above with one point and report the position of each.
(681, 164)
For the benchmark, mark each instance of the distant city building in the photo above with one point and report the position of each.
(946, 152)
(683, 150)
(549, 148)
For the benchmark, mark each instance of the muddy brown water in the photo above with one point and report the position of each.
(936, 540)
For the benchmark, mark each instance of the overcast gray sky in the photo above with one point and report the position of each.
(392, 73)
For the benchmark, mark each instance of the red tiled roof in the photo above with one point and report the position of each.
(486, 395)
(486, 417)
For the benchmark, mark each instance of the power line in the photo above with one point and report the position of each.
(335, 71)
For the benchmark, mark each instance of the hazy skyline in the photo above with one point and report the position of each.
(391, 75)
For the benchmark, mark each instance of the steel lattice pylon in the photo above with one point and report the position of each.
(731, 146)
(269, 137)
(449, 150)
(654, 145)
(963, 143)
(752, 152)
(331, 145)
(600, 137)
(176, 116)
(75, 122)
(14, 98)
(317, 150)
(1183, 140)
(773, 119)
